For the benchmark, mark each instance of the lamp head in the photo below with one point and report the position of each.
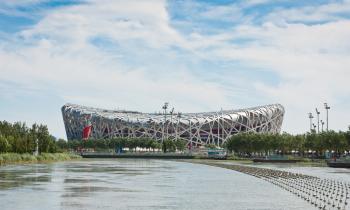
(179, 115)
(165, 105)
(317, 112)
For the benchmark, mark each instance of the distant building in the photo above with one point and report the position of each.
(198, 128)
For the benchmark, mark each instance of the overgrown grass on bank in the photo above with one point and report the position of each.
(10, 158)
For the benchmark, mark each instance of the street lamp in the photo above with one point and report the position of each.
(322, 123)
(218, 122)
(171, 122)
(190, 134)
(222, 126)
(165, 106)
(327, 108)
(310, 117)
(177, 125)
(318, 120)
(313, 124)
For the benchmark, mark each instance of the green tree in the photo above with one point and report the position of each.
(101, 144)
(4, 145)
(75, 144)
(347, 136)
(155, 145)
(168, 146)
(180, 145)
(44, 138)
(62, 144)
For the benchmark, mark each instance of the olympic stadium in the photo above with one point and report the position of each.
(196, 128)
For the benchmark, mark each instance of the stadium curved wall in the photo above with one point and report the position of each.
(195, 128)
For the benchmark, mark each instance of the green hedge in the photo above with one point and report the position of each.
(247, 143)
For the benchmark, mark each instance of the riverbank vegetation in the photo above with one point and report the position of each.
(18, 138)
(120, 143)
(18, 142)
(304, 145)
(10, 158)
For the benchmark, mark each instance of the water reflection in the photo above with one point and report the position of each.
(19, 176)
(137, 184)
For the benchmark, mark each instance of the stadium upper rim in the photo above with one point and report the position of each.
(134, 116)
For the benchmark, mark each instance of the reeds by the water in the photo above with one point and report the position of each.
(11, 158)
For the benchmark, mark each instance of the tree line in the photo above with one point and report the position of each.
(19, 138)
(120, 143)
(317, 143)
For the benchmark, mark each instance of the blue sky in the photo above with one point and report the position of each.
(197, 55)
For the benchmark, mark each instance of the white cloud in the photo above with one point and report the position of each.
(312, 62)
(58, 57)
(222, 13)
(325, 12)
(152, 61)
(13, 8)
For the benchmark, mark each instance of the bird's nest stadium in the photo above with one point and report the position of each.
(196, 128)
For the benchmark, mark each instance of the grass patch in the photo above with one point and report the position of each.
(11, 158)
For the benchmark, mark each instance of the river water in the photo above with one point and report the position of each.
(139, 184)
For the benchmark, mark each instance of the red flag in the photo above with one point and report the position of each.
(87, 132)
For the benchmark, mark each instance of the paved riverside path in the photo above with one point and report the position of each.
(319, 193)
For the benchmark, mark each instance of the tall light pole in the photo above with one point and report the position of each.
(313, 124)
(190, 134)
(218, 118)
(171, 121)
(222, 126)
(322, 123)
(318, 120)
(327, 108)
(165, 106)
(177, 125)
(310, 117)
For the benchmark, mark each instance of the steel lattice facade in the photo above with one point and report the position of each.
(195, 128)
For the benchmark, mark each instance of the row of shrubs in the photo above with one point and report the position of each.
(168, 145)
(7, 158)
(318, 143)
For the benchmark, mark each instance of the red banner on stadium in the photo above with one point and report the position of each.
(87, 132)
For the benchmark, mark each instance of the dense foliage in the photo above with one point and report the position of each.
(119, 143)
(19, 138)
(248, 143)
